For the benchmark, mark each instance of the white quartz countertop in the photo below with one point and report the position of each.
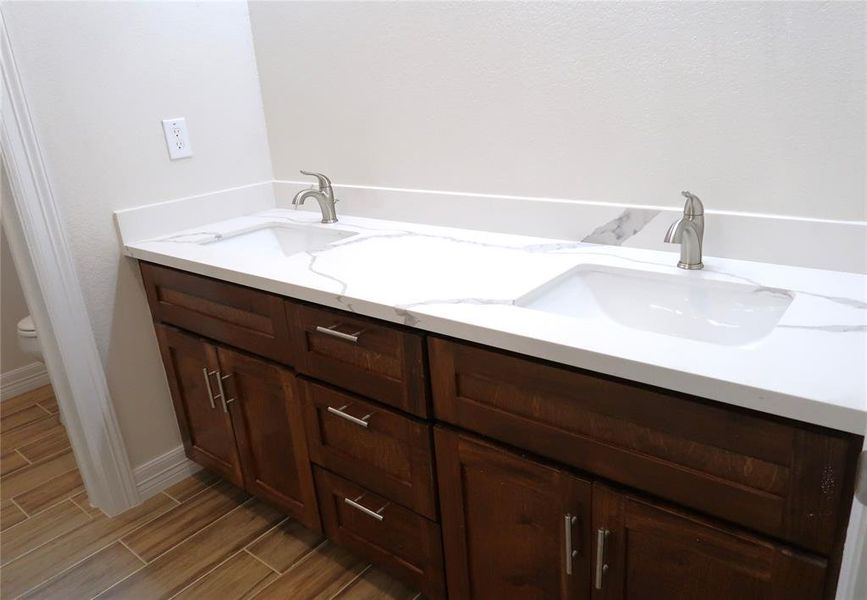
(810, 366)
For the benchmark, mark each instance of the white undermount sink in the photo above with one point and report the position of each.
(276, 240)
(679, 305)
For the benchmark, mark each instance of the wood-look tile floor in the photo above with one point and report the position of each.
(201, 538)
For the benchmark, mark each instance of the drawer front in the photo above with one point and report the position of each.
(397, 539)
(385, 451)
(362, 355)
(788, 481)
(242, 317)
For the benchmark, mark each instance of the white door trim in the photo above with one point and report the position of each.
(37, 239)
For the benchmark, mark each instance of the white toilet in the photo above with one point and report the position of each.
(28, 338)
(28, 341)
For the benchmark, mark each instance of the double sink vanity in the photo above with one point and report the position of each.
(497, 416)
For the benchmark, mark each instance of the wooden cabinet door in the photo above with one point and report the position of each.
(192, 370)
(509, 524)
(656, 553)
(264, 402)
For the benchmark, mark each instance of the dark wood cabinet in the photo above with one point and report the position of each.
(782, 478)
(241, 417)
(387, 452)
(512, 527)
(249, 319)
(655, 553)
(192, 366)
(264, 401)
(400, 541)
(383, 362)
(680, 497)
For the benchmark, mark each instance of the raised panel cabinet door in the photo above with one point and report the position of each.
(264, 402)
(512, 527)
(192, 369)
(649, 552)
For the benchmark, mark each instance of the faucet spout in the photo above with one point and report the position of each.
(686, 233)
(326, 204)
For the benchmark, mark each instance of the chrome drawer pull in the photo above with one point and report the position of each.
(347, 337)
(226, 401)
(568, 522)
(363, 421)
(375, 514)
(601, 567)
(208, 385)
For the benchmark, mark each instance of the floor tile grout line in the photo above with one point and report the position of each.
(53, 504)
(201, 491)
(78, 562)
(35, 548)
(306, 556)
(84, 508)
(39, 404)
(264, 533)
(351, 582)
(256, 558)
(21, 454)
(170, 548)
(39, 435)
(28, 423)
(134, 553)
(248, 500)
(38, 463)
(205, 574)
(300, 560)
(50, 456)
(79, 507)
(12, 500)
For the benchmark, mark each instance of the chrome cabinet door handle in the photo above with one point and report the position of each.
(208, 385)
(568, 522)
(363, 421)
(226, 401)
(601, 566)
(371, 513)
(347, 337)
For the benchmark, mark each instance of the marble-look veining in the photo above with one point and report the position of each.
(624, 226)
(467, 284)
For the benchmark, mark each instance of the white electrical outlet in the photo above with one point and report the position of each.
(177, 138)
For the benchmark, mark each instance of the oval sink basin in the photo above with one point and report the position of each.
(717, 312)
(277, 240)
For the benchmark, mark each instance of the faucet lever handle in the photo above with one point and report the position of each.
(693, 206)
(324, 182)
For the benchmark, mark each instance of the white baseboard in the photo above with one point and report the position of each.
(23, 379)
(163, 471)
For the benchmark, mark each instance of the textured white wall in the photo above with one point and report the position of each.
(13, 307)
(754, 106)
(99, 77)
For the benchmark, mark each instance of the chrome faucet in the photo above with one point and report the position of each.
(688, 231)
(324, 195)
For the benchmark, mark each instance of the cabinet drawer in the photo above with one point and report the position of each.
(362, 355)
(242, 317)
(790, 481)
(385, 451)
(397, 539)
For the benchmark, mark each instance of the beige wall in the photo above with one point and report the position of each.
(12, 304)
(755, 106)
(99, 77)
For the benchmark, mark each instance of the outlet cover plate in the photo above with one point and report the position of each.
(177, 138)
